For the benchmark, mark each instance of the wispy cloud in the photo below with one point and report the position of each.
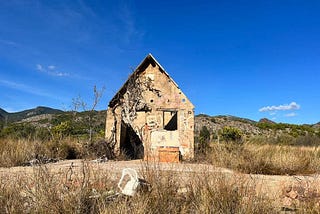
(51, 70)
(285, 107)
(8, 42)
(86, 9)
(131, 34)
(51, 67)
(292, 114)
(25, 88)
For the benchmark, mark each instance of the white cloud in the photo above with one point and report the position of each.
(51, 70)
(39, 67)
(61, 74)
(51, 67)
(285, 107)
(292, 114)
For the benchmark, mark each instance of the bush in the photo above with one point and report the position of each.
(18, 131)
(69, 149)
(203, 141)
(99, 149)
(231, 134)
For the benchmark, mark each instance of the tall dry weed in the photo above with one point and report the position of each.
(266, 159)
(88, 189)
(15, 152)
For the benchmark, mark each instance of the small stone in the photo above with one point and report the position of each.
(299, 190)
(287, 189)
(287, 202)
(182, 190)
(293, 194)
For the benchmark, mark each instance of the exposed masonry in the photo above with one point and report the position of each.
(150, 113)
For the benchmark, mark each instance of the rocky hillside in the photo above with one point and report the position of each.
(250, 128)
(47, 117)
(23, 115)
(43, 123)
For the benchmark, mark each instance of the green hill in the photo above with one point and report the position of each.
(19, 116)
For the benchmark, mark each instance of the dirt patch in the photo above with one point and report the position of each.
(286, 191)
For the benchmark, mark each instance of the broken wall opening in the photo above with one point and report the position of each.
(170, 120)
(130, 143)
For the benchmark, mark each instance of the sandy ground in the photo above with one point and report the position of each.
(269, 185)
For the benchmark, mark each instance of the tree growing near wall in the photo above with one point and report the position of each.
(130, 99)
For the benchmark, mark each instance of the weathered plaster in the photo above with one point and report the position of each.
(163, 98)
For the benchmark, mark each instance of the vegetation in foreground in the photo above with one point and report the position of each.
(47, 192)
(276, 156)
(91, 190)
(266, 159)
(291, 151)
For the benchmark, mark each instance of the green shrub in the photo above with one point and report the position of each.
(231, 134)
(203, 141)
(18, 131)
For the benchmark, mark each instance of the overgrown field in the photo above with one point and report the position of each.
(265, 159)
(281, 154)
(247, 158)
(17, 152)
(92, 190)
(89, 190)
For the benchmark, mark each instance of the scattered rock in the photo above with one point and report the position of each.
(101, 159)
(294, 195)
(39, 160)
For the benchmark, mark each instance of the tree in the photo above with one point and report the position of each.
(63, 129)
(78, 103)
(204, 139)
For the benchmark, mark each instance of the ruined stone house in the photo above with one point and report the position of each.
(150, 114)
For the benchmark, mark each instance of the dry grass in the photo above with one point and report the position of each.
(87, 192)
(46, 192)
(15, 152)
(87, 189)
(18, 152)
(266, 159)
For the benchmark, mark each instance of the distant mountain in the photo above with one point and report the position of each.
(3, 112)
(22, 115)
(266, 120)
(251, 128)
(47, 117)
(316, 126)
(3, 115)
(216, 123)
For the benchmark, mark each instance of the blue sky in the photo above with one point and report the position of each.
(251, 59)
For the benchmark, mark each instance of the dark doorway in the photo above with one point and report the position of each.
(130, 143)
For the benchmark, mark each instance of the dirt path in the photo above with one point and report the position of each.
(269, 185)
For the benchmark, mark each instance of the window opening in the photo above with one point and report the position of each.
(170, 120)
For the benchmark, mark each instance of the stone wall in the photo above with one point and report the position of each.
(168, 109)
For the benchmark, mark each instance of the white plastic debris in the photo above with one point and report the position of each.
(129, 182)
